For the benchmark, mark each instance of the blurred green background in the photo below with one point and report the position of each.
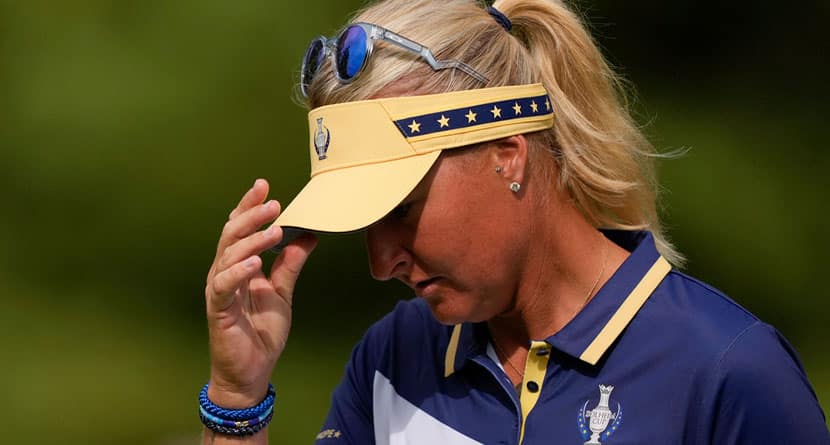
(129, 129)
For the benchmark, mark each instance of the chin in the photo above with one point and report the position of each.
(449, 314)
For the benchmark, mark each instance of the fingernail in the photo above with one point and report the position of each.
(272, 231)
(251, 262)
(269, 206)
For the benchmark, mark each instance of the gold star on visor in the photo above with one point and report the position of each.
(496, 112)
(471, 117)
(444, 121)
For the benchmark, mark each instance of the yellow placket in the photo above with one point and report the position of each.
(536, 366)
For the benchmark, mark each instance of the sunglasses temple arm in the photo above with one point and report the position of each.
(427, 55)
(401, 41)
(444, 64)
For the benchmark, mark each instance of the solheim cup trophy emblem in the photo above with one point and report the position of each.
(321, 139)
(600, 418)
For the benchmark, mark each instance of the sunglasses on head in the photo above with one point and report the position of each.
(353, 47)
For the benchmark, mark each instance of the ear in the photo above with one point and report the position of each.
(510, 156)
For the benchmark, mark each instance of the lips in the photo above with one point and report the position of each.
(424, 286)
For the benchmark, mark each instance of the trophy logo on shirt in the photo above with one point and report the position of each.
(322, 137)
(600, 422)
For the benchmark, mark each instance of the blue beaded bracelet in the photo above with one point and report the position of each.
(237, 414)
(241, 431)
(236, 423)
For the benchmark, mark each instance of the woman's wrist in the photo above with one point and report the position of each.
(235, 396)
(233, 413)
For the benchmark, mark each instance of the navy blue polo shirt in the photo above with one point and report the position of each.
(656, 357)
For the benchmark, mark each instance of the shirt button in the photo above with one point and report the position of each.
(532, 386)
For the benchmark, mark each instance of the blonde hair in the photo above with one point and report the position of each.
(605, 163)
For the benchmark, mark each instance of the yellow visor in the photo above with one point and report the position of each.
(367, 156)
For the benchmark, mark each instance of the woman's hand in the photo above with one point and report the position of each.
(249, 313)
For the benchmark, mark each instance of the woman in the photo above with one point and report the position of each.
(481, 150)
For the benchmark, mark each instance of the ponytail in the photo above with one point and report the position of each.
(605, 162)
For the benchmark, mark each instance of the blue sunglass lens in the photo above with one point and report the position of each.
(314, 56)
(351, 52)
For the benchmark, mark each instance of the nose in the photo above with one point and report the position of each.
(388, 256)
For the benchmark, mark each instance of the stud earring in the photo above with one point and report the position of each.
(498, 169)
(515, 187)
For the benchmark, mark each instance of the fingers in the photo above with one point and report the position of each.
(222, 287)
(243, 220)
(253, 244)
(240, 261)
(245, 224)
(236, 258)
(287, 267)
(255, 195)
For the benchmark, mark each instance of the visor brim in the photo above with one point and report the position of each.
(353, 198)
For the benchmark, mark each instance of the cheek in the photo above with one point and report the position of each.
(467, 232)
(475, 234)
(478, 257)
(449, 237)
